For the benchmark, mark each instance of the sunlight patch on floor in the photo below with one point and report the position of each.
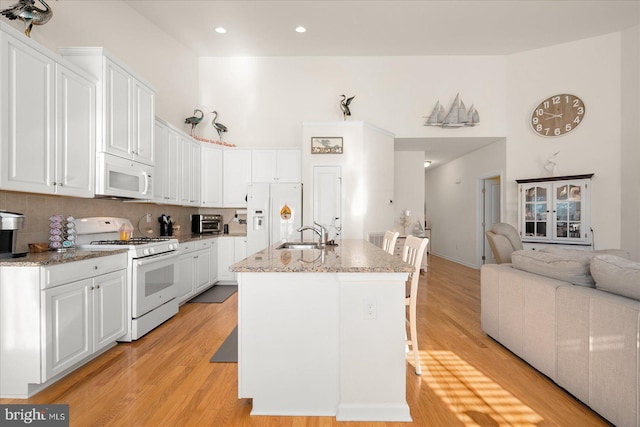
(473, 397)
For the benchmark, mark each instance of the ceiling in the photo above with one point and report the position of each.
(387, 28)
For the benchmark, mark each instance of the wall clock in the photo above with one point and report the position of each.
(557, 115)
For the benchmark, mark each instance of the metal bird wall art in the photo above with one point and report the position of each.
(344, 106)
(194, 120)
(27, 12)
(219, 127)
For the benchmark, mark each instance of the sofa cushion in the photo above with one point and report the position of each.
(616, 275)
(569, 268)
(585, 253)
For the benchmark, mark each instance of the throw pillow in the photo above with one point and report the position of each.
(616, 275)
(568, 268)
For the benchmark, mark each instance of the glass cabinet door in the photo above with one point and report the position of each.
(536, 208)
(568, 211)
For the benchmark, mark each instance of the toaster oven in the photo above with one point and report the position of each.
(206, 223)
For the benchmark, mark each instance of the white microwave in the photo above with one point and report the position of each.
(119, 177)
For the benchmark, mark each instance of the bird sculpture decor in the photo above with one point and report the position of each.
(194, 120)
(219, 127)
(29, 13)
(344, 106)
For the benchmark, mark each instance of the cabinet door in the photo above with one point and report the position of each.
(226, 256)
(239, 249)
(68, 319)
(143, 120)
(236, 177)
(189, 172)
(109, 308)
(75, 134)
(161, 140)
(201, 263)
(171, 169)
(26, 118)
(211, 172)
(118, 126)
(288, 166)
(184, 276)
(536, 205)
(264, 166)
(213, 267)
(570, 200)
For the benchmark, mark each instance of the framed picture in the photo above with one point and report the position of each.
(326, 145)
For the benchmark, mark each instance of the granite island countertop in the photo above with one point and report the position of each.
(349, 256)
(49, 258)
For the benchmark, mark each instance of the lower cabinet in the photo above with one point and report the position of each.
(193, 268)
(231, 249)
(82, 318)
(55, 318)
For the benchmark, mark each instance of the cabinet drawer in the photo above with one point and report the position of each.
(70, 272)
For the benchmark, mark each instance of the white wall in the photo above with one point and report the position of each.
(630, 194)
(367, 179)
(263, 100)
(409, 188)
(590, 69)
(452, 202)
(170, 67)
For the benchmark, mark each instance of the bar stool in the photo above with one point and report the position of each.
(389, 241)
(412, 253)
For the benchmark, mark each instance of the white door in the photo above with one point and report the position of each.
(491, 213)
(327, 199)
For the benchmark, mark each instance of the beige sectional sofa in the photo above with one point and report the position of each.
(561, 321)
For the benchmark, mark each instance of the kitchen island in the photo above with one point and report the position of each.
(322, 332)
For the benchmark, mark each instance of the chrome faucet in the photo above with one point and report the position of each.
(321, 231)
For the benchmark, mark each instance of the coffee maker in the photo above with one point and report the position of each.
(10, 223)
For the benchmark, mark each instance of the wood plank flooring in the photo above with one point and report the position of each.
(165, 379)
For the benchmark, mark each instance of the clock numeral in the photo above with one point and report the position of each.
(557, 132)
(535, 120)
(576, 103)
(545, 104)
(546, 131)
(555, 100)
(539, 112)
(567, 127)
(567, 99)
(539, 127)
(576, 120)
(580, 110)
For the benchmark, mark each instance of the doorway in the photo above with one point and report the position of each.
(491, 208)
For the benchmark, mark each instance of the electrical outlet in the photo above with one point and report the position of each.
(369, 309)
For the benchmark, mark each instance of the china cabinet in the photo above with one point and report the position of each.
(555, 210)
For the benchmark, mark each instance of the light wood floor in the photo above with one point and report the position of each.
(165, 379)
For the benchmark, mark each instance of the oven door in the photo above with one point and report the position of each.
(153, 282)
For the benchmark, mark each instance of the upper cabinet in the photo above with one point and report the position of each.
(126, 105)
(165, 178)
(236, 166)
(211, 172)
(279, 166)
(555, 210)
(47, 121)
(189, 171)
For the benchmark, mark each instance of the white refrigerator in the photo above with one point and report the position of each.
(274, 214)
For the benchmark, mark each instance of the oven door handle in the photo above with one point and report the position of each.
(155, 258)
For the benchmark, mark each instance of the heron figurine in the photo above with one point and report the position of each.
(219, 127)
(27, 12)
(194, 120)
(344, 106)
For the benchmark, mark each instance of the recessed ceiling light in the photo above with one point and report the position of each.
(300, 29)
(221, 30)
(427, 163)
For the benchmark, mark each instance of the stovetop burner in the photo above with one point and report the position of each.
(132, 241)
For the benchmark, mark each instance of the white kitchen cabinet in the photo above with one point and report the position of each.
(125, 107)
(277, 166)
(213, 264)
(211, 172)
(193, 268)
(236, 177)
(167, 149)
(82, 318)
(48, 121)
(189, 171)
(555, 210)
(231, 249)
(55, 318)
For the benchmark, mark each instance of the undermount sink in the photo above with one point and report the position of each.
(299, 245)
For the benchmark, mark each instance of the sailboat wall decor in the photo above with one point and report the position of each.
(458, 115)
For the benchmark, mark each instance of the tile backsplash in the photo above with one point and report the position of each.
(37, 209)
